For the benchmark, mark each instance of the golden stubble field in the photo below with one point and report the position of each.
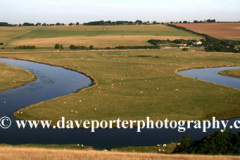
(100, 41)
(10, 153)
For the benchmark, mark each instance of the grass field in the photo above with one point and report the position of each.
(231, 73)
(9, 153)
(98, 36)
(8, 34)
(12, 77)
(218, 30)
(131, 86)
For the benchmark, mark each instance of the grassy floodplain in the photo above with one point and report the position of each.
(12, 77)
(132, 85)
(98, 36)
(231, 73)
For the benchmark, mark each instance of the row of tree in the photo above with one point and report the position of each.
(176, 41)
(137, 22)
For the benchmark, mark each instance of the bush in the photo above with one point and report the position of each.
(57, 46)
(185, 49)
(77, 47)
(1, 44)
(91, 47)
(137, 47)
(25, 47)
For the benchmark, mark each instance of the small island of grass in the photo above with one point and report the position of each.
(231, 73)
(12, 77)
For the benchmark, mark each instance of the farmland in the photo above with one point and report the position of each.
(229, 31)
(98, 36)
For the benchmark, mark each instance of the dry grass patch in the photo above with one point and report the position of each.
(9, 153)
(96, 41)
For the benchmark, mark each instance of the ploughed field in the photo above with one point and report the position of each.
(218, 30)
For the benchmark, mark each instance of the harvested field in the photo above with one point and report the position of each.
(218, 30)
(96, 41)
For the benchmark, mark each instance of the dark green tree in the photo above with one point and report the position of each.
(91, 47)
(57, 46)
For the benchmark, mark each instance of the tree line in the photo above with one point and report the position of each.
(137, 22)
(102, 22)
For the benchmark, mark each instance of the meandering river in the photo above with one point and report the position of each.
(56, 81)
